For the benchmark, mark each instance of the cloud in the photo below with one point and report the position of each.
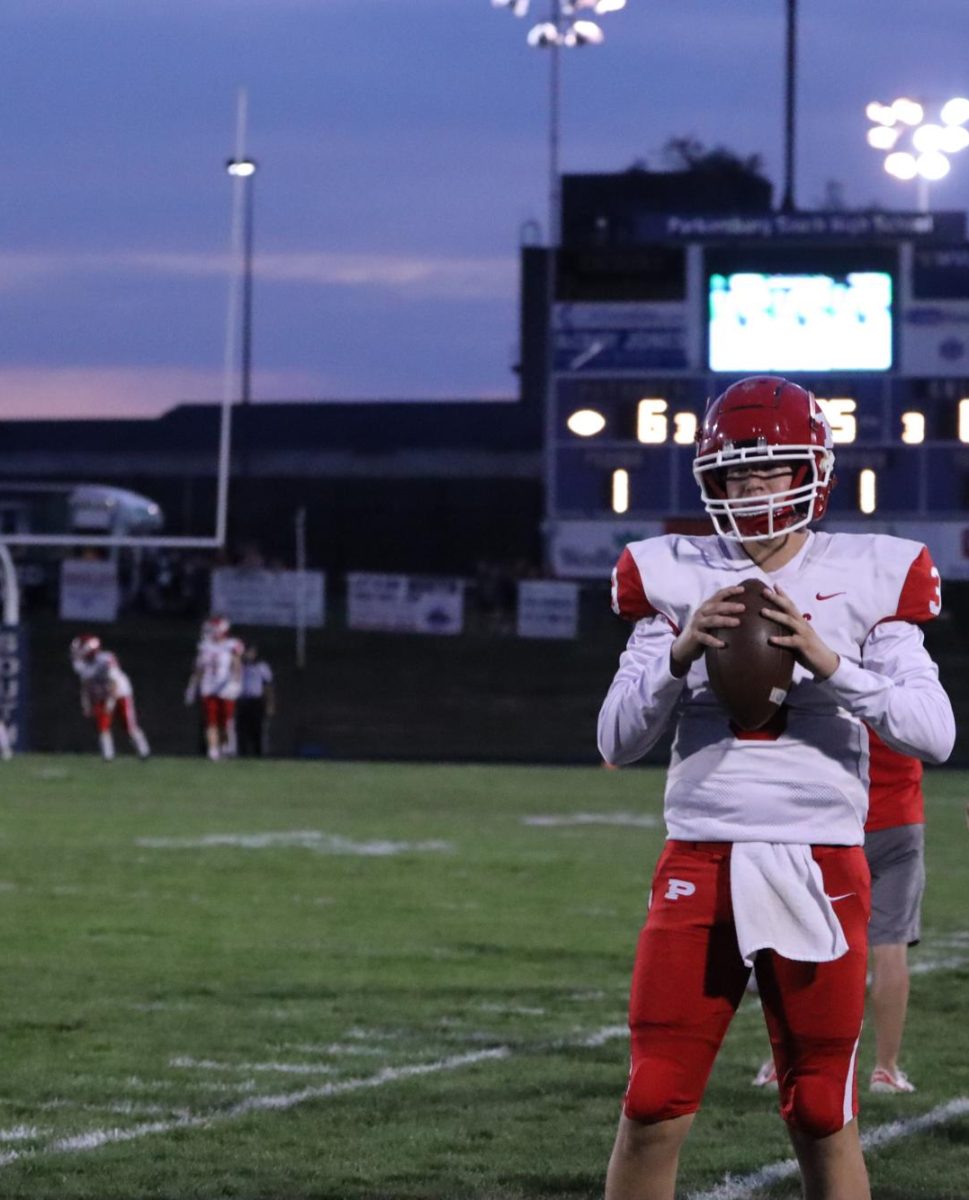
(51, 393)
(422, 277)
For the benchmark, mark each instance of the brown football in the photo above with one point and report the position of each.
(750, 676)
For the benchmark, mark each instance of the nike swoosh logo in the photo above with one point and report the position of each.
(844, 897)
(830, 596)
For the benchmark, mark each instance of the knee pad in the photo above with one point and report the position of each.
(815, 1106)
(654, 1093)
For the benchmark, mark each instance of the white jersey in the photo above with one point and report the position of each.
(102, 676)
(804, 778)
(218, 666)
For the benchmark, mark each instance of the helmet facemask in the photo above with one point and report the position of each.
(767, 514)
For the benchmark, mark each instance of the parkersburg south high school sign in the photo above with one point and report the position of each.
(862, 226)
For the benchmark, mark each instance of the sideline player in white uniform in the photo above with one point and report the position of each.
(106, 690)
(764, 864)
(217, 680)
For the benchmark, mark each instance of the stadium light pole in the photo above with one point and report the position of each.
(916, 147)
(564, 28)
(244, 170)
(788, 204)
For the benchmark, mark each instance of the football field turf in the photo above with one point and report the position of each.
(351, 981)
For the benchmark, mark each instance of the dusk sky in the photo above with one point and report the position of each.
(402, 147)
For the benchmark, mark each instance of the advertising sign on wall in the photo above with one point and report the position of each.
(548, 608)
(935, 339)
(89, 590)
(623, 336)
(404, 603)
(258, 597)
(590, 549)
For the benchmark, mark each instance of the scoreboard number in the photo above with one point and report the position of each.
(653, 424)
(840, 413)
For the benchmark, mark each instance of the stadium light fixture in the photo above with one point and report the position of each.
(914, 147)
(562, 27)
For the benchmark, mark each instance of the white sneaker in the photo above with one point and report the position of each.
(883, 1080)
(766, 1076)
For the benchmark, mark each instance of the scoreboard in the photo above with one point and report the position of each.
(870, 311)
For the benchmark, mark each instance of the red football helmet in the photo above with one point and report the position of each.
(86, 645)
(215, 628)
(758, 422)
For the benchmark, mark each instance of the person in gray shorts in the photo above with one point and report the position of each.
(895, 849)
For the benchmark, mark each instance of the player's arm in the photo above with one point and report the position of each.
(896, 690)
(644, 692)
(192, 687)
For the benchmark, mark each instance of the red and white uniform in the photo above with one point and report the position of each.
(738, 803)
(217, 664)
(108, 689)
(806, 779)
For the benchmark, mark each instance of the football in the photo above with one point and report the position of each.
(750, 676)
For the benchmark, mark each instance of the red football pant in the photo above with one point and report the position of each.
(218, 712)
(103, 713)
(689, 978)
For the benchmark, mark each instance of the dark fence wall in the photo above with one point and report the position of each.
(483, 696)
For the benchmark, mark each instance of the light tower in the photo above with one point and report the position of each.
(564, 27)
(916, 146)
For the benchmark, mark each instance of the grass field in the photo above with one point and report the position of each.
(350, 981)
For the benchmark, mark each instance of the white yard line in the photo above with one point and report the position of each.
(307, 839)
(741, 1187)
(276, 1068)
(731, 1188)
(94, 1138)
(20, 1133)
(563, 820)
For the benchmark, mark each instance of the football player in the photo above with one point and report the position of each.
(216, 680)
(105, 691)
(764, 865)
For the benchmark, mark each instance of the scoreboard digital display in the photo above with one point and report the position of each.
(762, 322)
(876, 326)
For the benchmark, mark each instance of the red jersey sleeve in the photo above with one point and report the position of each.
(629, 599)
(920, 599)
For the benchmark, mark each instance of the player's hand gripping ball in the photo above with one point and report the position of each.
(750, 676)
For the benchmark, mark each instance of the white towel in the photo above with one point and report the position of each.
(779, 903)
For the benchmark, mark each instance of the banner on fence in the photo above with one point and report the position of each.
(89, 590)
(261, 597)
(548, 608)
(404, 603)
